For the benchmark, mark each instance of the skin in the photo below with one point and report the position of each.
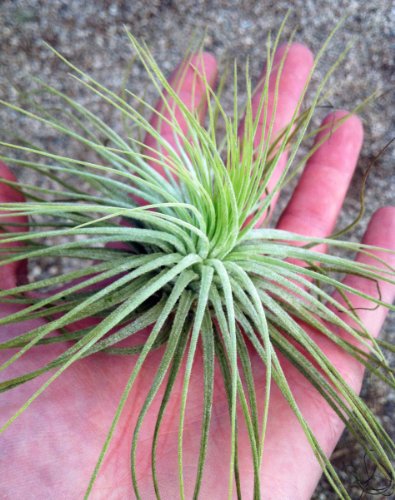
(51, 449)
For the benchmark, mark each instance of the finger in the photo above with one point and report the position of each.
(14, 273)
(284, 432)
(292, 81)
(317, 200)
(381, 233)
(188, 80)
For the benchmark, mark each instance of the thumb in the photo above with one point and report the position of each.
(16, 272)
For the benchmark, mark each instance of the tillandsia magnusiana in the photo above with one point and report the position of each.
(194, 351)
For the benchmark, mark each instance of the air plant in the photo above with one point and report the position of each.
(190, 263)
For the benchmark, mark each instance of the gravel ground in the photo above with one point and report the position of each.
(91, 33)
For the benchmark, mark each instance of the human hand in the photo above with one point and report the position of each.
(51, 449)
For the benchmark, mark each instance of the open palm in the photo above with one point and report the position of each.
(51, 449)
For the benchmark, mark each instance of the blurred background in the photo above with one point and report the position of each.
(92, 35)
